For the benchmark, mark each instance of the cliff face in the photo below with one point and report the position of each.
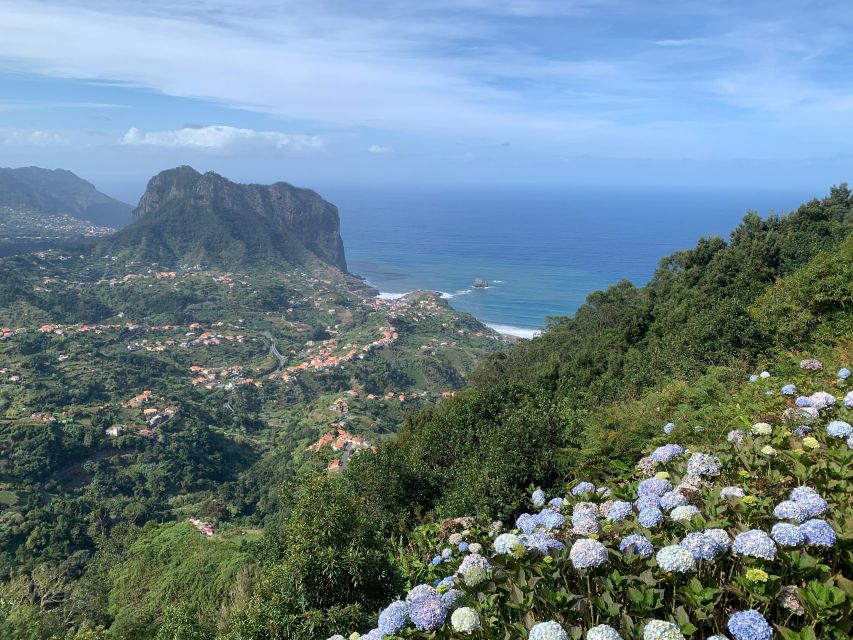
(188, 216)
(60, 192)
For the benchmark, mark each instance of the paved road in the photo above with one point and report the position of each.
(274, 352)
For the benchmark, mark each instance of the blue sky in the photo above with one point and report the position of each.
(445, 91)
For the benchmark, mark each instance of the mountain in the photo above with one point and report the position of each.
(188, 217)
(60, 192)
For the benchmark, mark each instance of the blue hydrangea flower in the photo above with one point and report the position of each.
(803, 401)
(653, 486)
(373, 634)
(451, 597)
(684, 513)
(419, 591)
(721, 539)
(582, 487)
(669, 427)
(541, 542)
(764, 375)
(844, 373)
(848, 400)
(731, 492)
(787, 535)
(753, 377)
(505, 542)
(650, 518)
(446, 553)
(463, 546)
(603, 632)
(604, 492)
(755, 544)
(661, 630)
(556, 503)
(717, 638)
(818, 532)
(547, 631)
(393, 618)
(526, 523)
(538, 497)
(802, 430)
(702, 464)
(790, 510)
(667, 453)
(436, 560)
(672, 499)
(636, 544)
(586, 553)
(550, 519)
(619, 510)
(750, 625)
(839, 429)
(810, 500)
(427, 612)
(789, 390)
(647, 502)
(443, 583)
(676, 559)
(702, 546)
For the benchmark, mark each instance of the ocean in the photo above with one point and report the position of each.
(542, 250)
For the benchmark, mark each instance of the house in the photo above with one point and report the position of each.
(113, 431)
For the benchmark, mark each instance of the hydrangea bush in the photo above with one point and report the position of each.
(708, 543)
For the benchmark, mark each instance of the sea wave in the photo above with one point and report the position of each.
(518, 332)
(383, 295)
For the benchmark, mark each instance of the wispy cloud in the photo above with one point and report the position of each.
(377, 148)
(221, 138)
(35, 138)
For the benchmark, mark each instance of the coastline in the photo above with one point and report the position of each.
(524, 333)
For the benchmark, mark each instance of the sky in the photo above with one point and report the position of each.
(321, 92)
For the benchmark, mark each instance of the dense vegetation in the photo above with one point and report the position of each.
(582, 402)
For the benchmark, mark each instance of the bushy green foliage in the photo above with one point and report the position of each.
(328, 567)
(170, 564)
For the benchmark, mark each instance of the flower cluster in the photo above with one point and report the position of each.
(737, 532)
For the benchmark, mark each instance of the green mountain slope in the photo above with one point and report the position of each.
(60, 192)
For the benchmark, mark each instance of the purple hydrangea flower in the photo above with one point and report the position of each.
(672, 499)
(586, 553)
(789, 390)
(790, 510)
(427, 612)
(538, 497)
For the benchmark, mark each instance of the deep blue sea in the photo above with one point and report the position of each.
(542, 249)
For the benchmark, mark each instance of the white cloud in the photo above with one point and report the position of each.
(36, 138)
(376, 148)
(221, 137)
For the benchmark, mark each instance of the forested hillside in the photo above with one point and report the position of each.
(586, 401)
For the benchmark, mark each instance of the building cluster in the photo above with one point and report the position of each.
(204, 528)
(220, 377)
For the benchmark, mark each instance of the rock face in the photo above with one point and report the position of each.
(60, 192)
(185, 216)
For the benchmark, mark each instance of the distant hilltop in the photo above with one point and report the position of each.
(60, 192)
(188, 217)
